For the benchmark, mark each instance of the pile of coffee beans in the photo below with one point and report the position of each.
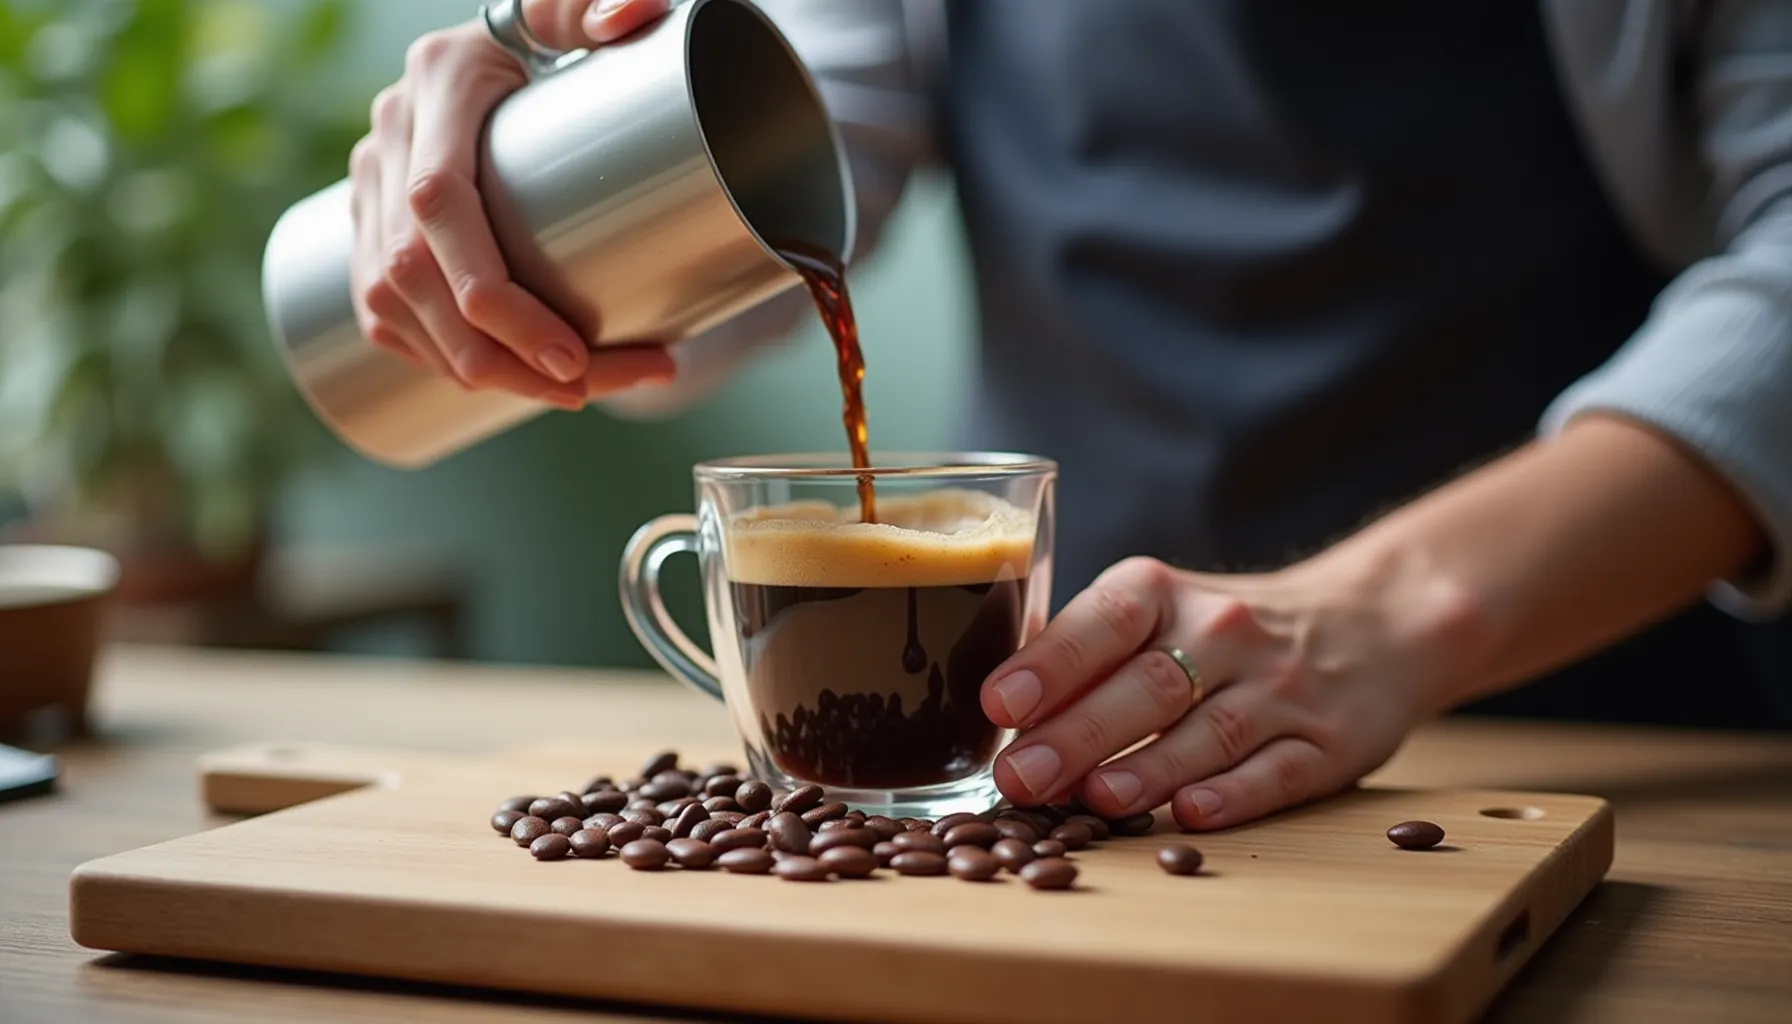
(718, 817)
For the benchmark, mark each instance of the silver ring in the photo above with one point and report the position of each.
(1197, 688)
(510, 30)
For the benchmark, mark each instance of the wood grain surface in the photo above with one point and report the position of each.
(1691, 924)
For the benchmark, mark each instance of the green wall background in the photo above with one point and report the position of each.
(537, 517)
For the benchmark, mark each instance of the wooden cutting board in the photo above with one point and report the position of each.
(381, 863)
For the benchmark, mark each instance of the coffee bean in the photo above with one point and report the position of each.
(731, 817)
(918, 862)
(800, 869)
(1098, 828)
(737, 839)
(1415, 835)
(518, 803)
(1048, 848)
(799, 800)
(661, 762)
(885, 828)
(950, 822)
(566, 826)
(1014, 854)
(707, 831)
(755, 820)
(687, 819)
(753, 796)
(826, 812)
(604, 821)
(884, 852)
(973, 864)
(674, 777)
(590, 843)
(552, 846)
(856, 817)
(721, 785)
(1016, 828)
(1043, 819)
(657, 833)
(862, 838)
(547, 808)
(599, 783)
(575, 799)
(717, 804)
(644, 816)
(641, 805)
(919, 825)
(1049, 873)
(839, 824)
(527, 830)
(645, 854)
(849, 861)
(671, 808)
(692, 853)
(626, 832)
(972, 833)
(788, 833)
(715, 768)
(747, 860)
(1133, 824)
(657, 790)
(605, 800)
(1074, 837)
(502, 821)
(1179, 859)
(926, 842)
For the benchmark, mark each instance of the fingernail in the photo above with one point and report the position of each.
(560, 364)
(603, 7)
(1207, 802)
(1125, 786)
(1037, 766)
(1019, 693)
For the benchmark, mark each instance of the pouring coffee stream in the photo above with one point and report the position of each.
(825, 278)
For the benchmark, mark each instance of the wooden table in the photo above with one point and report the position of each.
(1693, 924)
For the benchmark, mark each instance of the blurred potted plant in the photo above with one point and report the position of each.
(146, 148)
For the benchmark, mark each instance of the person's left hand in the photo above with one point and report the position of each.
(1312, 676)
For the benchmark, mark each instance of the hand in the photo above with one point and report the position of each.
(1312, 677)
(429, 282)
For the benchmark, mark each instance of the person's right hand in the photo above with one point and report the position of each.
(429, 282)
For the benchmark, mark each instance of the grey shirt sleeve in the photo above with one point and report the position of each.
(1712, 364)
(860, 54)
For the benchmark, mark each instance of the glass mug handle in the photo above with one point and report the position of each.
(642, 605)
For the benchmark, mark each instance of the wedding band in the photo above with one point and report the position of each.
(510, 30)
(1197, 689)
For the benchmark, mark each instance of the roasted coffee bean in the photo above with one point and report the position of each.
(757, 819)
(715, 768)
(788, 833)
(1013, 854)
(661, 762)
(609, 800)
(926, 842)
(721, 803)
(566, 826)
(856, 817)
(687, 819)
(644, 816)
(1048, 848)
(731, 817)
(552, 846)
(849, 861)
(518, 803)
(599, 783)
(800, 869)
(1179, 859)
(908, 824)
(738, 838)
(1139, 824)
(972, 863)
(641, 805)
(661, 791)
(625, 833)
(547, 808)
(657, 833)
(826, 812)
(919, 825)
(799, 800)
(670, 808)
(838, 824)
(753, 796)
(605, 821)
(1016, 828)
(707, 831)
(747, 860)
(884, 852)
(1042, 821)
(1098, 827)
(1049, 873)
(950, 822)
(692, 853)
(1415, 835)
(972, 833)
(674, 777)
(918, 862)
(886, 828)
(721, 785)
(528, 829)
(645, 854)
(863, 838)
(502, 821)
(1074, 837)
(590, 843)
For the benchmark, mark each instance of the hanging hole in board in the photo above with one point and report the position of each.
(1514, 813)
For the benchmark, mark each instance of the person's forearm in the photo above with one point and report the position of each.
(1552, 552)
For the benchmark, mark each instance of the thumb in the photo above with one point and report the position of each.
(580, 24)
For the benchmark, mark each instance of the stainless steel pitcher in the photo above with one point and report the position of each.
(632, 189)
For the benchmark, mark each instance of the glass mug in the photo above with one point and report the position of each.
(852, 655)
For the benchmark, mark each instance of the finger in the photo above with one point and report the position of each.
(476, 360)
(397, 330)
(1146, 695)
(392, 131)
(615, 367)
(1097, 631)
(452, 98)
(1283, 773)
(1222, 731)
(606, 21)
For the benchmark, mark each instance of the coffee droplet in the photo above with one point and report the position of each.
(1415, 835)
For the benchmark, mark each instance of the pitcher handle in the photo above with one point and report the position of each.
(646, 612)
